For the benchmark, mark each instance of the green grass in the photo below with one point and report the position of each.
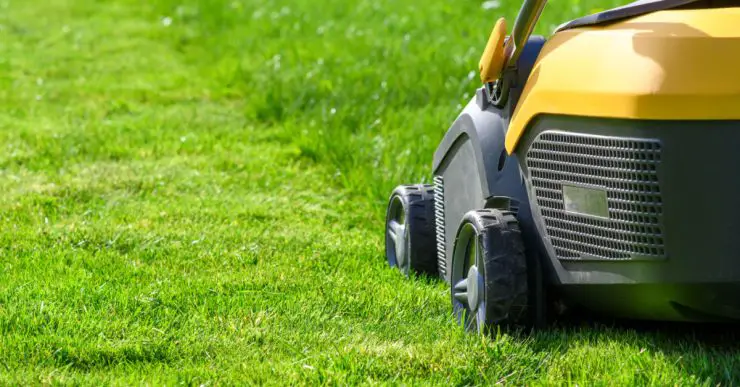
(193, 193)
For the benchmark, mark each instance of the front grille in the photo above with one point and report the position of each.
(439, 219)
(625, 169)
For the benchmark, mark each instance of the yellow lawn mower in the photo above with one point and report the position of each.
(592, 168)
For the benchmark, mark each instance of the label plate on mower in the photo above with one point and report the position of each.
(589, 201)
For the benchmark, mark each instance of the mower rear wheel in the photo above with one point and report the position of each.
(410, 243)
(489, 272)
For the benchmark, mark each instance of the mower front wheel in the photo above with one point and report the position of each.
(410, 243)
(489, 272)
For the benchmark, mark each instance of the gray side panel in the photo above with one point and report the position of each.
(472, 160)
(468, 160)
(486, 130)
(462, 191)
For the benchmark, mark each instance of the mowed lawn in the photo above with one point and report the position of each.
(193, 192)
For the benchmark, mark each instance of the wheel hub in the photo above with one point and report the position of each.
(470, 289)
(400, 243)
(397, 238)
(475, 287)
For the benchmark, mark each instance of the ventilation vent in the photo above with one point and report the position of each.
(439, 219)
(613, 185)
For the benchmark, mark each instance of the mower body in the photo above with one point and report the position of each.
(616, 150)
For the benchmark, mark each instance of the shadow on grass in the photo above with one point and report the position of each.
(707, 351)
(714, 335)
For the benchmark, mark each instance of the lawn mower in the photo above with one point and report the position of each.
(592, 168)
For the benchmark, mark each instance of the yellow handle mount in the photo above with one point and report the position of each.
(494, 56)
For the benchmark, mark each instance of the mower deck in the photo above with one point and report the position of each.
(596, 170)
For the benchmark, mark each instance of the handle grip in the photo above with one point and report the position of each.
(523, 27)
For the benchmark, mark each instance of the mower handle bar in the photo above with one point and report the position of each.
(523, 27)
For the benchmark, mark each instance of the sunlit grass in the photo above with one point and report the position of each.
(193, 192)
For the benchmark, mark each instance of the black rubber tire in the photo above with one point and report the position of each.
(417, 204)
(505, 276)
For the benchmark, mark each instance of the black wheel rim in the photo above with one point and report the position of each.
(396, 236)
(468, 279)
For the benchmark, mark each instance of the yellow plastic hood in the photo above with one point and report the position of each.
(674, 64)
